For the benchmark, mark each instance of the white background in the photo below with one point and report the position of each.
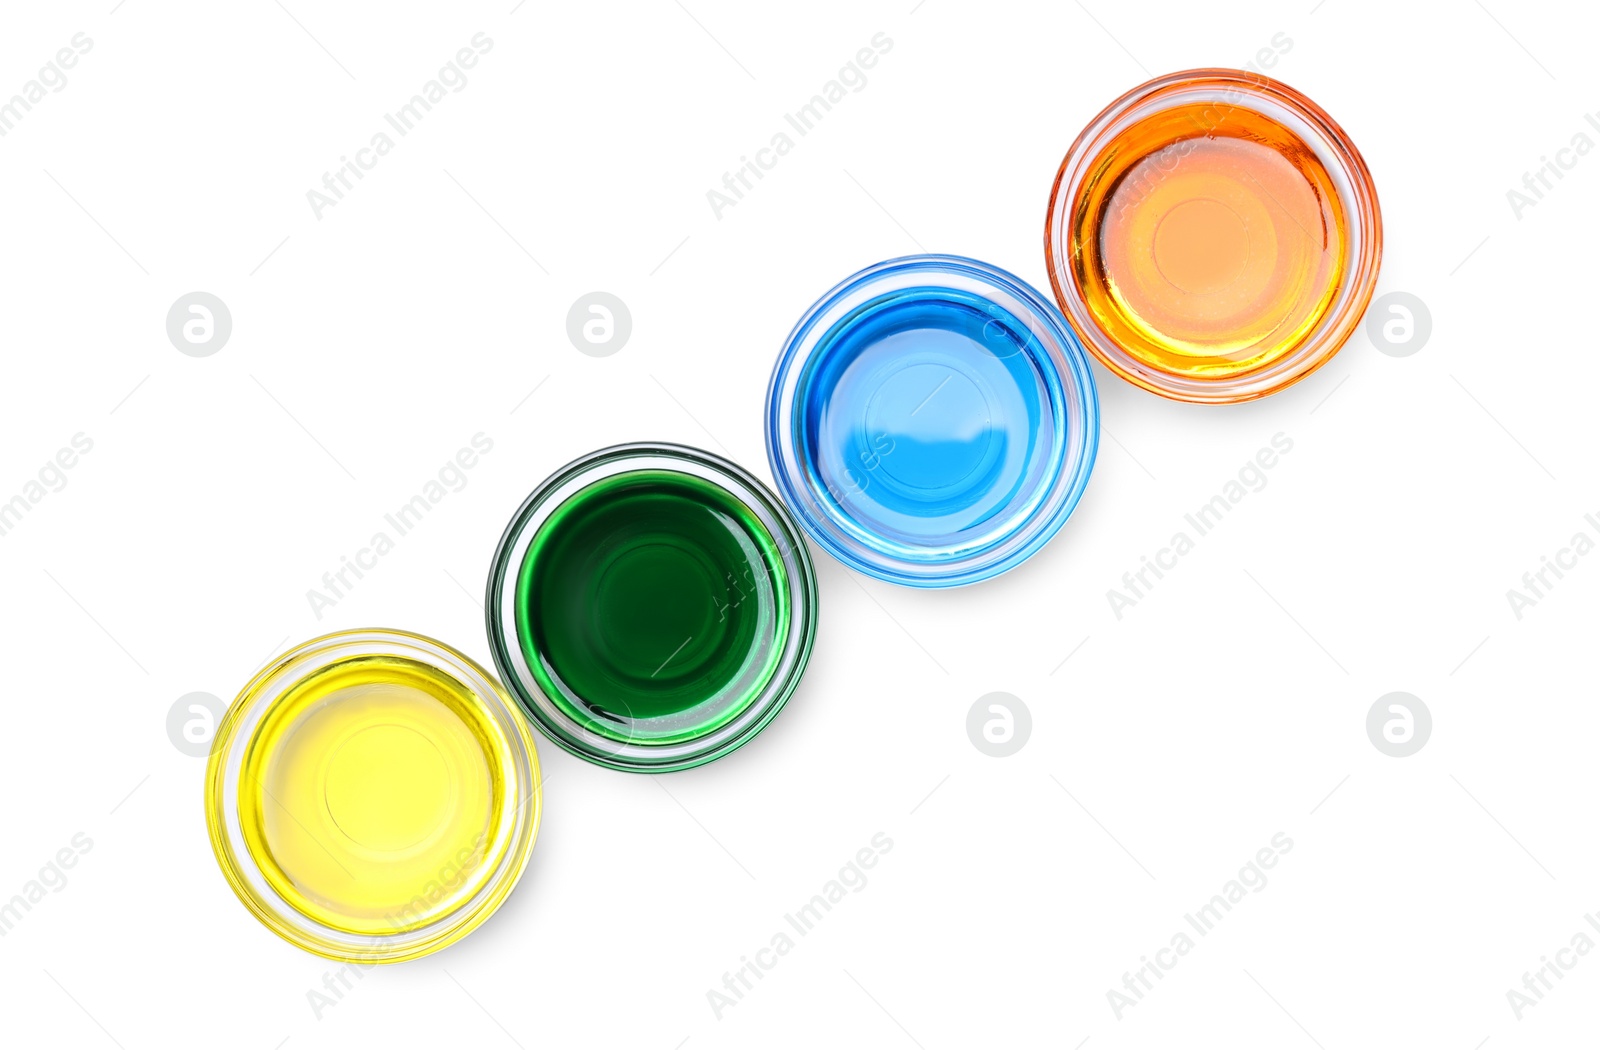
(1229, 705)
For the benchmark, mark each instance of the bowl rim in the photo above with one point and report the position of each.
(236, 732)
(575, 477)
(1059, 353)
(1365, 223)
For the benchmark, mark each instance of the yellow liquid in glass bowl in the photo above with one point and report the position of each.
(369, 796)
(373, 796)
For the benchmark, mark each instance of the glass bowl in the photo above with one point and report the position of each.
(1213, 236)
(932, 421)
(372, 796)
(651, 607)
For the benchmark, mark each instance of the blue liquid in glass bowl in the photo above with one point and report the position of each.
(932, 420)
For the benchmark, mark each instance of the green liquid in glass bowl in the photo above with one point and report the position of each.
(651, 607)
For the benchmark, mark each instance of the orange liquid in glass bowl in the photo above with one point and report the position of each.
(1213, 236)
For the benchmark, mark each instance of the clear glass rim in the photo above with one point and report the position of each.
(500, 608)
(509, 854)
(1060, 358)
(1333, 148)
